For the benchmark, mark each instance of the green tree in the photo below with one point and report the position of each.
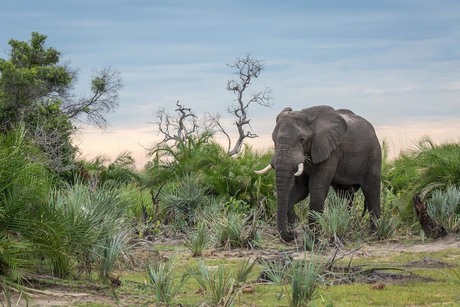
(38, 90)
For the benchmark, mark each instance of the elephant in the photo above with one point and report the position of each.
(317, 148)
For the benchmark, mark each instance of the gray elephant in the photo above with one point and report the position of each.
(320, 147)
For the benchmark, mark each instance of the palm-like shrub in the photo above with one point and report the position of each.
(198, 240)
(180, 201)
(421, 171)
(164, 279)
(304, 282)
(385, 226)
(100, 170)
(24, 185)
(92, 225)
(221, 285)
(336, 220)
(429, 166)
(444, 208)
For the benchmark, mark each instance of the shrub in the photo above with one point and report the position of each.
(161, 275)
(304, 282)
(444, 206)
(385, 226)
(181, 200)
(229, 230)
(221, 286)
(421, 171)
(335, 221)
(198, 240)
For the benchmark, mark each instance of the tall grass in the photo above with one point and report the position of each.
(164, 280)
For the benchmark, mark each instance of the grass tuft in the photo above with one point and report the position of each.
(162, 276)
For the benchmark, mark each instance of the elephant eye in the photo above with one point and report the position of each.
(302, 140)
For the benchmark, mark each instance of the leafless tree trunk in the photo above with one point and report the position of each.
(247, 69)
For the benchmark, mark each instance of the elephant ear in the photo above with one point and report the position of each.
(328, 130)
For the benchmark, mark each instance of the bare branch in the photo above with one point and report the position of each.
(212, 124)
(177, 128)
(105, 86)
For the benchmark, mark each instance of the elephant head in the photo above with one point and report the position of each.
(307, 136)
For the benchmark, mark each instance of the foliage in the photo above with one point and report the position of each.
(91, 225)
(232, 178)
(181, 199)
(444, 208)
(299, 279)
(420, 171)
(198, 240)
(24, 186)
(37, 90)
(336, 220)
(162, 276)
(275, 272)
(386, 226)
(221, 286)
(100, 170)
(109, 251)
(235, 176)
(427, 167)
(229, 230)
(304, 282)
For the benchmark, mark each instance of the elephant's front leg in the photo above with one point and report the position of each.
(298, 191)
(320, 181)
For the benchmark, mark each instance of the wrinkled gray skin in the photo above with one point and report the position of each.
(337, 148)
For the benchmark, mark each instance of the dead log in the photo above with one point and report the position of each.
(430, 227)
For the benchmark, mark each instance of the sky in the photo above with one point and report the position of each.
(394, 62)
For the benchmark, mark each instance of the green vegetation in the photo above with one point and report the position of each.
(196, 226)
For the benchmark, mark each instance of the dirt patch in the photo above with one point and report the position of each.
(382, 249)
(428, 263)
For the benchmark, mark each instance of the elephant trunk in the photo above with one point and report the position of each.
(283, 180)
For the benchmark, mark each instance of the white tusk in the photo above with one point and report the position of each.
(300, 170)
(265, 170)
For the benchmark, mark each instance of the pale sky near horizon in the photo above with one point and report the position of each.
(394, 62)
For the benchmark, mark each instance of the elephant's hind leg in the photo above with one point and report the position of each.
(371, 191)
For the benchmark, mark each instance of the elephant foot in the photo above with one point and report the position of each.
(288, 236)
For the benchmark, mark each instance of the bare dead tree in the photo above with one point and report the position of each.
(177, 128)
(247, 68)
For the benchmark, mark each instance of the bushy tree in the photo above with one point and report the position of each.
(38, 90)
